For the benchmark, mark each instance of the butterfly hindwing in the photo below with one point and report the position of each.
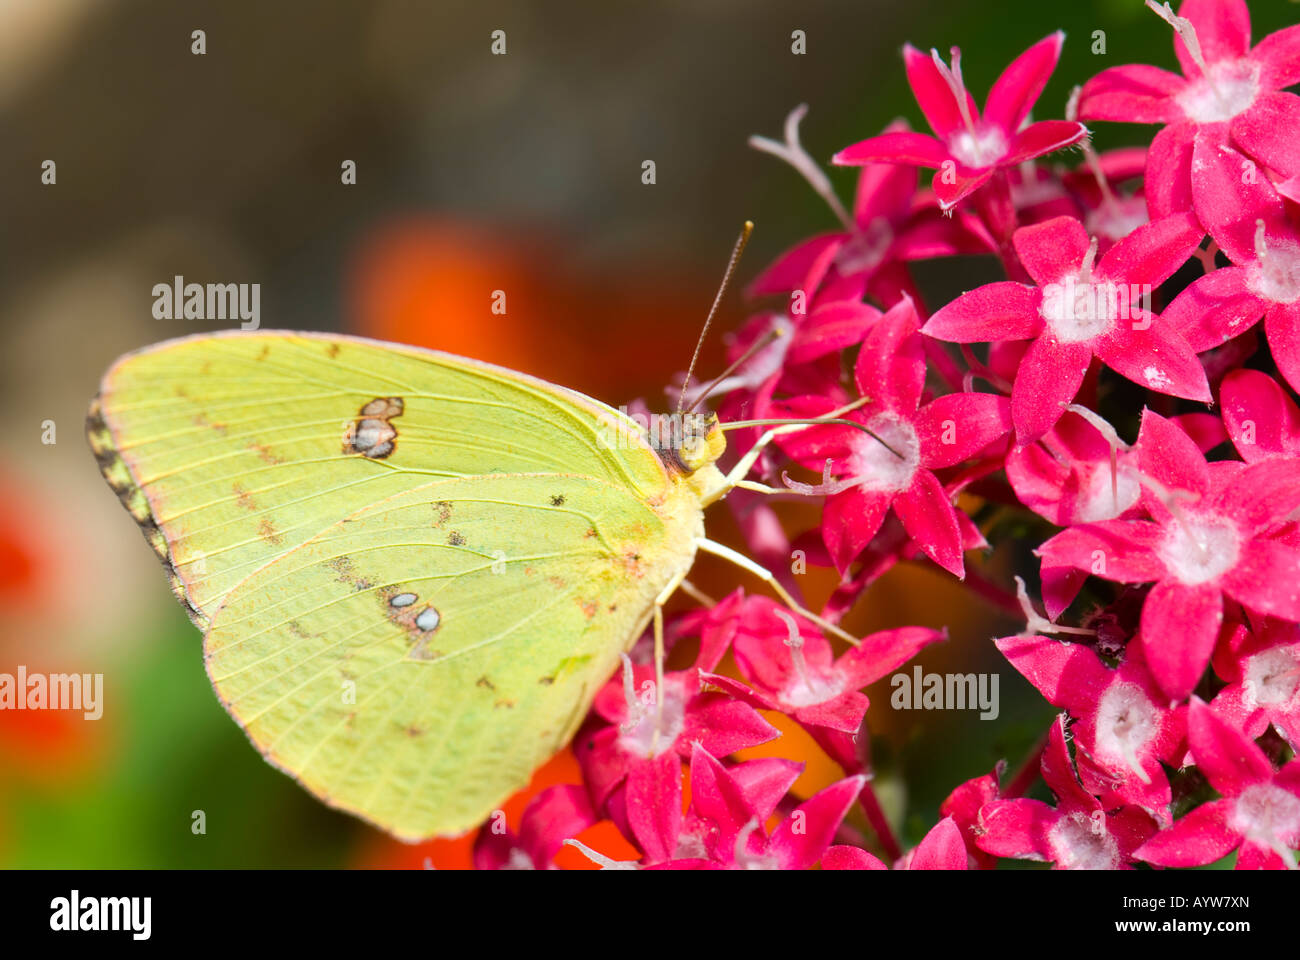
(415, 662)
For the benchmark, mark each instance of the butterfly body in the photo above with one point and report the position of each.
(413, 571)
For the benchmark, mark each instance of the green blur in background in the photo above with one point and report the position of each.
(226, 167)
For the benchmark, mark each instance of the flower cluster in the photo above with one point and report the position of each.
(1169, 562)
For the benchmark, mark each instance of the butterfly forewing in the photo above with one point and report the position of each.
(243, 446)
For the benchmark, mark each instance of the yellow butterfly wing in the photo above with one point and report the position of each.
(231, 449)
(414, 571)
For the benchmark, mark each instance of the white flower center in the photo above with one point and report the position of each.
(978, 148)
(1078, 309)
(866, 248)
(1229, 89)
(1197, 550)
(1082, 842)
(1103, 497)
(1272, 677)
(1269, 816)
(637, 735)
(1126, 722)
(1276, 274)
(886, 468)
(1117, 219)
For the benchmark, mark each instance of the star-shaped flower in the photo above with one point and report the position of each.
(1259, 811)
(1082, 308)
(891, 462)
(1212, 533)
(969, 147)
(1079, 833)
(1229, 91)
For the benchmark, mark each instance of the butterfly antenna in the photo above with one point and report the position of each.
(756, 347)
(736, 251)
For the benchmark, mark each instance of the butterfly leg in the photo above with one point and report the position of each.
(664, 595)
(742, 561)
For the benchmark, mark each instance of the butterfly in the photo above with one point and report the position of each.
(413, 571)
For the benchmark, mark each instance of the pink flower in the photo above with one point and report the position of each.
(1228, 91)
(1124, 727)
(893, 465)
(1263, 674)
(632, 767)
(1079, 833)
(723, 800)
(1211, 534)
(790, 667)
(1077, 472)
(1259, 812)
(1250, 223)
(556, 814)
(728, 816)
(969, 148)
(1081, 309)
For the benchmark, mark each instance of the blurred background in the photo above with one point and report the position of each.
(474, 172)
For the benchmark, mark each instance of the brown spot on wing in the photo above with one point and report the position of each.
(372, 434)
(456, 539)
(267, 532)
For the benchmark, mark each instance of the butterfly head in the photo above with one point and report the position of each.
(700, 444)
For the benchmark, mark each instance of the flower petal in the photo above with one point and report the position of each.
(1068, 675)
(1166, 452)
(1196, 838)
(1230, 760)
(933, 95)
(891, 363)
(1222, 29)
(1133, 93)
(1153, 252)
(1154, 356)
(1118, 550)
(914, 149)
(843, 857)
(1017, 829)
(957, 426)
(1262, 495)
(1052, 250)
(942, 849)
(849, 521)
(1231, 194)
(1267, 578)
(801, 839)
(955, 184)
(1282, 327)
(791, 270)
(1050, 375)
(930, 520)
(654, 805)
(1214, 308)
(882, 653)
(1039, 139)
(1168, 178)
(1018, 88)
(1179, 627)
(995, 311)
(1278, 56)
